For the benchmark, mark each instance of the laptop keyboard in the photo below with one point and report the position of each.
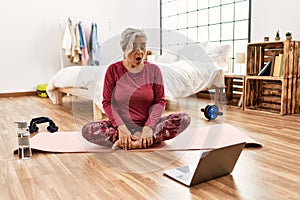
(185, 177)
(184, 169)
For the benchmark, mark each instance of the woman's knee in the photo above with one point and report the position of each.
(179, 119)
(170, 126)
(175, 122)
(99, 132)
(185, 119)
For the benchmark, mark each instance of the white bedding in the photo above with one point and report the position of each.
(181, 78)
(87, 77)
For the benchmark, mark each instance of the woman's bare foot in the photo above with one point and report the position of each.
(135, 142)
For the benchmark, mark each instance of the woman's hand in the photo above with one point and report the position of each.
(135, 142)
(146, 139)
(124, 137)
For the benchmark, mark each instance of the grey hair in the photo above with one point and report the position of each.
(128, 37)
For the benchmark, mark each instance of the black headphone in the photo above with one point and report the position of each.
(33, 128)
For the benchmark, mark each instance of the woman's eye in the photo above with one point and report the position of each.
(142, 46)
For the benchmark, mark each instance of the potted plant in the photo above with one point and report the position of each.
(266, 38)
(277, 37)
(288, 35)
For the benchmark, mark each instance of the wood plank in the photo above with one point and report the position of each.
(17, 94)
(273, 106)
(284, 91)
(265, 78)
(80, 92)
(275, 85)
(271, 99)
(297, 98)
(238, 89)
(295, 75)
(272, 93)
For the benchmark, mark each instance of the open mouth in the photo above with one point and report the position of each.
(138, 59)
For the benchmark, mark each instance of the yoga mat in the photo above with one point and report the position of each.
(211, 137)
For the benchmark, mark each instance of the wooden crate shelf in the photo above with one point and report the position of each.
(234, 89)
(279, 94)
(265, 94)
(258, 54)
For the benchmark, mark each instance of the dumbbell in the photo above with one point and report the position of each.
(211, 112)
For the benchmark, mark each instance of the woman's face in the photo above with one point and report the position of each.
(137, 55)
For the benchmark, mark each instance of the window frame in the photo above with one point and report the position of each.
(233, 41)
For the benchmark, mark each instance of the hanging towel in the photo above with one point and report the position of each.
(94, 45)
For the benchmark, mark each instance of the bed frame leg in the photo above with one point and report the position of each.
(58, 97)
(97, 112)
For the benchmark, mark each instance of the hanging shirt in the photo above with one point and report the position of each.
(83, 45)
(94, 45)
(133, 99)
(67, 39)
(77, 49)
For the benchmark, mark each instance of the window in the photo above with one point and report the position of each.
(216, 21)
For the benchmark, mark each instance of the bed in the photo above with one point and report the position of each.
(185, 73)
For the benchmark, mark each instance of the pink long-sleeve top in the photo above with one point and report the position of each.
(133, 99)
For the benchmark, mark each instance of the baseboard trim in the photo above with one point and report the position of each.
(17, 94)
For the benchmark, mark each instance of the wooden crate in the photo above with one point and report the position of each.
(258, 54)
(234, 90)
(295, 105)
(266, 94)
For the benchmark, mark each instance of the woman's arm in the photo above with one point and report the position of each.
(108, 89)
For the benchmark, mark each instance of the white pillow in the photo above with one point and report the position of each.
(219, 54)
(191, 52)
(167, 57)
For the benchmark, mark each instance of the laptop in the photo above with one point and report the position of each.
(211, 164)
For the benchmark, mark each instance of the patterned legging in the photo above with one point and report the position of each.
(103, 133)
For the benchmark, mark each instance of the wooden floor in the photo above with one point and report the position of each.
(270, 172)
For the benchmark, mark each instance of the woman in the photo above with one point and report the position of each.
(134, 100)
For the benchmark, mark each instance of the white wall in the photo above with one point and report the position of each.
(268, 16)
(30, 42)
(30, 34)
